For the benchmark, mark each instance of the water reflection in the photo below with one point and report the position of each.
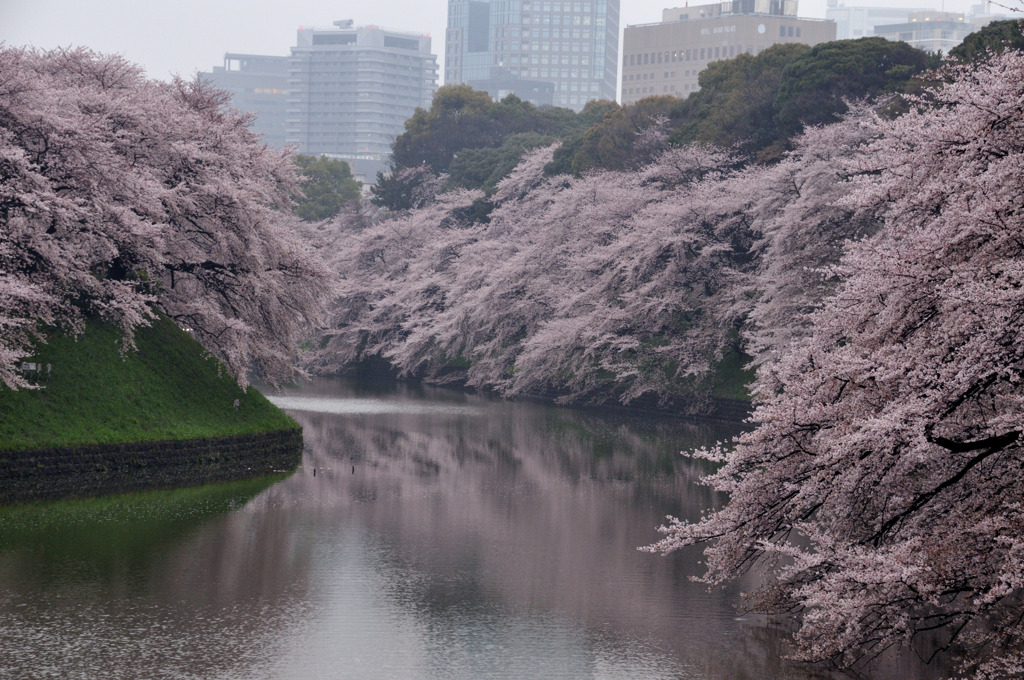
(428, 534)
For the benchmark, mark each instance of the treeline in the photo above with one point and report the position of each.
(754, 104)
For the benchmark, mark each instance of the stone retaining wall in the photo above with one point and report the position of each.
(45, 474)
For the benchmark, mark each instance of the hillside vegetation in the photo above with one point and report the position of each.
(169, 389)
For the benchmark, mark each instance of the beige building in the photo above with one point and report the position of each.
(665, 58)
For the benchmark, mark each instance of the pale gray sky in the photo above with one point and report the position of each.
(185, 36)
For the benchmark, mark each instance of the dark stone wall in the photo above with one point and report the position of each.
(70, 472)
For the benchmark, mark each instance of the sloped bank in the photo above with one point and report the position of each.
(167, 415)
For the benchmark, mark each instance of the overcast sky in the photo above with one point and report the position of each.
(185, 36)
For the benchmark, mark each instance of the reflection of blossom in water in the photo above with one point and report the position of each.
(370, 406)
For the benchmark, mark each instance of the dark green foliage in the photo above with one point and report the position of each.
(995, 37)
(328, 184)
(474, 140)
(754, 103)
(736, 103)
(484, 168)
(611, 144)
(401, 189)
(169, 389)
(758, 103)
(813, 87)
(459, 118)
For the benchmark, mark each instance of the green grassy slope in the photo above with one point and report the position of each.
(169, 389)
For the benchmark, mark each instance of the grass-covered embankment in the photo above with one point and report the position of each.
(170, 389)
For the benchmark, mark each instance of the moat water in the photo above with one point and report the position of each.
(427, 535)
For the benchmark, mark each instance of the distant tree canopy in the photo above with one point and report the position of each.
(994, 38)
(327, 185)
(463, 118)
(755, 104)
(474, 141)
(814, 88)
(610, 144)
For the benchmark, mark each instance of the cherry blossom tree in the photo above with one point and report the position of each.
(591, 289)
(802, 223)
(121, 197)
(881, 488)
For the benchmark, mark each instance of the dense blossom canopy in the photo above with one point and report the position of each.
(120, 196)
(628, 286)
(591, 289)
(882, 486)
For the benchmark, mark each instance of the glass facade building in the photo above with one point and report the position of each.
(568, 48)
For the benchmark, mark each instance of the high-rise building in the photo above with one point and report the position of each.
(533, 48)
(259, 85)
(351, 89)
(665, 58)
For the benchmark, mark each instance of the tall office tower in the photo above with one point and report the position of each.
(567, 49)
(259, 85)
(665, 58)
(351, 89)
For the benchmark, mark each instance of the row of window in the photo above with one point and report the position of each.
(665, 89)
(667, 74)
(558, 6)
(570, 78)
(701, 54)
(559, 21)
